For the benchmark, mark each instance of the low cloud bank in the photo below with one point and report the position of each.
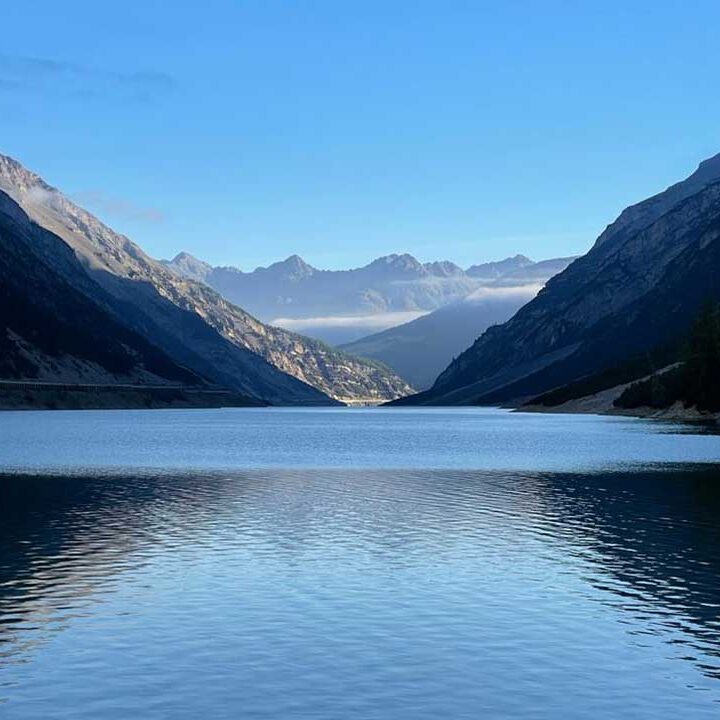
(379, 321)
(340, 329)
(518, 292)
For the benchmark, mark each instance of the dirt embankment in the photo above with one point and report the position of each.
(602, 404)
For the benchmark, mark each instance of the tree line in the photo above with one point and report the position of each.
(695, 382)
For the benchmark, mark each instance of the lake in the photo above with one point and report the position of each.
(348, 564)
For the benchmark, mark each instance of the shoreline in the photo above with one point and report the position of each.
(48, 398)
(677, 412)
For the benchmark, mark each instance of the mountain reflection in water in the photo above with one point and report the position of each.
(361, 593)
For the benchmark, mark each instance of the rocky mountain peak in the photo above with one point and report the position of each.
(189, 266)
(185, 257)
(295, 262)
(293, 268)
(521, 260)
(498, 268)
(443, 268)
(20, 177)
(404, 262)
(708, 170)
(643, 214)
(24, 185)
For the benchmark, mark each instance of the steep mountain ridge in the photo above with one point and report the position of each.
(639, 287)
(191, 322)
(60, 331)
(396, 283)
(192, 268)
(494, 270)
(639, 216)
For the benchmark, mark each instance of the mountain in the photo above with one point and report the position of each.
(494, 270)
(185, 319)
(537, 272)
(421, 349)
(635, 294)
(53, 330)
(192, 268)
(292, 288)
(340, 306)
(693, 382)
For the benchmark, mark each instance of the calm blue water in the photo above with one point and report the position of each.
(369, 564)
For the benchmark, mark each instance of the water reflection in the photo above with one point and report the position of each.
(339, 555)
(65, 539)
(654, 538)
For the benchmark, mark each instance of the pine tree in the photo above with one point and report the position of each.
(702, 366)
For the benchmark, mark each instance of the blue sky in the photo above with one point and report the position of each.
(246, 131)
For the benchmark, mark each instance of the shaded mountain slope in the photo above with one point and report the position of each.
(191, 322)
(640, 287)
(694, 381)
(420, 350)
(52, 331)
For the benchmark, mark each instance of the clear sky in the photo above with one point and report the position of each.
(244, 131)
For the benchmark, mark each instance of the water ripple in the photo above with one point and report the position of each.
(361, 594)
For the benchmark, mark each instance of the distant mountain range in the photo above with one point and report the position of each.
(81, 303)
(619, 312)
(421, 349)
(343, 305)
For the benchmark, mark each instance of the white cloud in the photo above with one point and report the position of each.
(517, 292)
(38, 195)
(377, 322)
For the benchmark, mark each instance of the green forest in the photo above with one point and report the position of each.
(695, 382)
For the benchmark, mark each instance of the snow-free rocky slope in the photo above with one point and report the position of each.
(293, 288)
(189, 322)
(639, 288)
(421, 349)
(56, 324)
